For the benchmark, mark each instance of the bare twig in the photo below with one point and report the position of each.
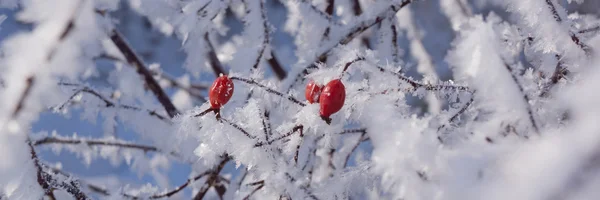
(141, 69)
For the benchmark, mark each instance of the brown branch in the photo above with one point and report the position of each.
(49, 184)
(277, 67)
(254, 191)
(356, 8)
(212, 179)
(141, 69)
(21, 103)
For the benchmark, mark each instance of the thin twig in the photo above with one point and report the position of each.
(525, 98)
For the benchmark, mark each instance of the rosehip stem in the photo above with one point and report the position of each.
(269, 90)
(326, 119)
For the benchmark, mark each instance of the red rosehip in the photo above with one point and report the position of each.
(312, 92)
(220, 92)
(332, 98)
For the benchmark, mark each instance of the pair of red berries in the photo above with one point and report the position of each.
(331, 97)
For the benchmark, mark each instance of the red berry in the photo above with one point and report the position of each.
(332, 98)
(220, 92)
(312, 92)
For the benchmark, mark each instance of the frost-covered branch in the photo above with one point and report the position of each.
(525, 98)
(269, 90)
(107, 103)
(92, 142)
(141, 69)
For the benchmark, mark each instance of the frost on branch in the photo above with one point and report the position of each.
(109, 99)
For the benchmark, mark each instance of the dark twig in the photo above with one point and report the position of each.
(254, 191)
(212, 179)
(272, 91)
(141, 69)
(277, 67)
(588, 30)
(525, 98)
(21, 103)
(49, 184)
